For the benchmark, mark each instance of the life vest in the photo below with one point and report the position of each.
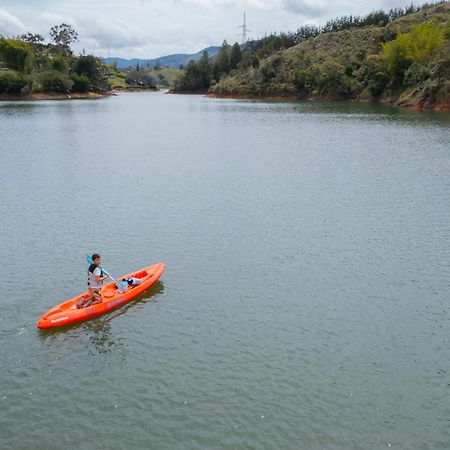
(92, 276)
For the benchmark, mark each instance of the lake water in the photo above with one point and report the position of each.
(305, 303)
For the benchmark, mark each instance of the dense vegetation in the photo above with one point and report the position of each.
(400, 54)
(28, 65)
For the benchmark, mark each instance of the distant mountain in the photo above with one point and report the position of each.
(164, 61)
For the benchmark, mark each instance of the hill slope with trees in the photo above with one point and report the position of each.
(401, 56)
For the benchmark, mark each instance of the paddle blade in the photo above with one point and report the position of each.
(89, 260)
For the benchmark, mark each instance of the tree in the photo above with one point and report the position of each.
(417, 46)
(63, 36)
(222, 65)
(33, 39)
(90, 66)
(235, 55)
(16, 54)
(204, 70)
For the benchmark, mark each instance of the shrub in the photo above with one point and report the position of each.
(81, 83)
(417, 46)
(378, 84)
(141, 78)
(55, 81)
(349, 71)
(330, 79)
(59, 64)
(12, 82)
(16, 54)
(415, 74)
(302, 80)
(91, 67)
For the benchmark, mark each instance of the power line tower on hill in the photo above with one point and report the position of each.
(244, 31)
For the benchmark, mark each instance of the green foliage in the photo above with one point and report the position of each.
(349, 71)
(191, 80)
(267, 70)
(302, 80)
(140, 78)
(16, 54)
(91, 67)
(196, 76)
(378, 84)
(235, 55)
(164, 77)
(60, 64)
(222, 65)
(48, 67)
(12, 82)
(205, 71)
(269, 45)
(329, 78)
(55, 81)
(415, 74)
(81, 83)
(417, 46)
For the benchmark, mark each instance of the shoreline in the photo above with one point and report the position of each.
(419, 106)
(36, 96)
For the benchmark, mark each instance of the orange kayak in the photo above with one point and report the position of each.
(67, 312)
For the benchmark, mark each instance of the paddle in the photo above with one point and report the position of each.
(121, 285)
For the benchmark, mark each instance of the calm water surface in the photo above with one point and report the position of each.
(305, 304)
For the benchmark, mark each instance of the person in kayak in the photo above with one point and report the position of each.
(95, 280)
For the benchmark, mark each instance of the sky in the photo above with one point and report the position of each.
(153, 28)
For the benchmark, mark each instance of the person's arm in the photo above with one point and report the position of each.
(98, 275)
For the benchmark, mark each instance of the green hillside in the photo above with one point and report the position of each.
(406, 61)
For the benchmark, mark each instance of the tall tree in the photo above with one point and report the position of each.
(63, 36)
(235, 55)
(222, 65)
(204, 69)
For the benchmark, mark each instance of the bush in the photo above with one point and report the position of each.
(417, 46)
(12, 82)
(141, 78)
(91, 67)
(330, 79)
(16, 54)
(267, 71)
(349, 71)
(378, 84)
(302, 80)
(55, 81)
(81, 83)
(59, 64)
(415, 74)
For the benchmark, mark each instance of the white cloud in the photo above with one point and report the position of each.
(152, 28)
(306, 7)
(107, 31)
(10, 25)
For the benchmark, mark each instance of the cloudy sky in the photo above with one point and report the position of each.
(152, 28)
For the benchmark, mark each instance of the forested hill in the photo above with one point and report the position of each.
(402, 56)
